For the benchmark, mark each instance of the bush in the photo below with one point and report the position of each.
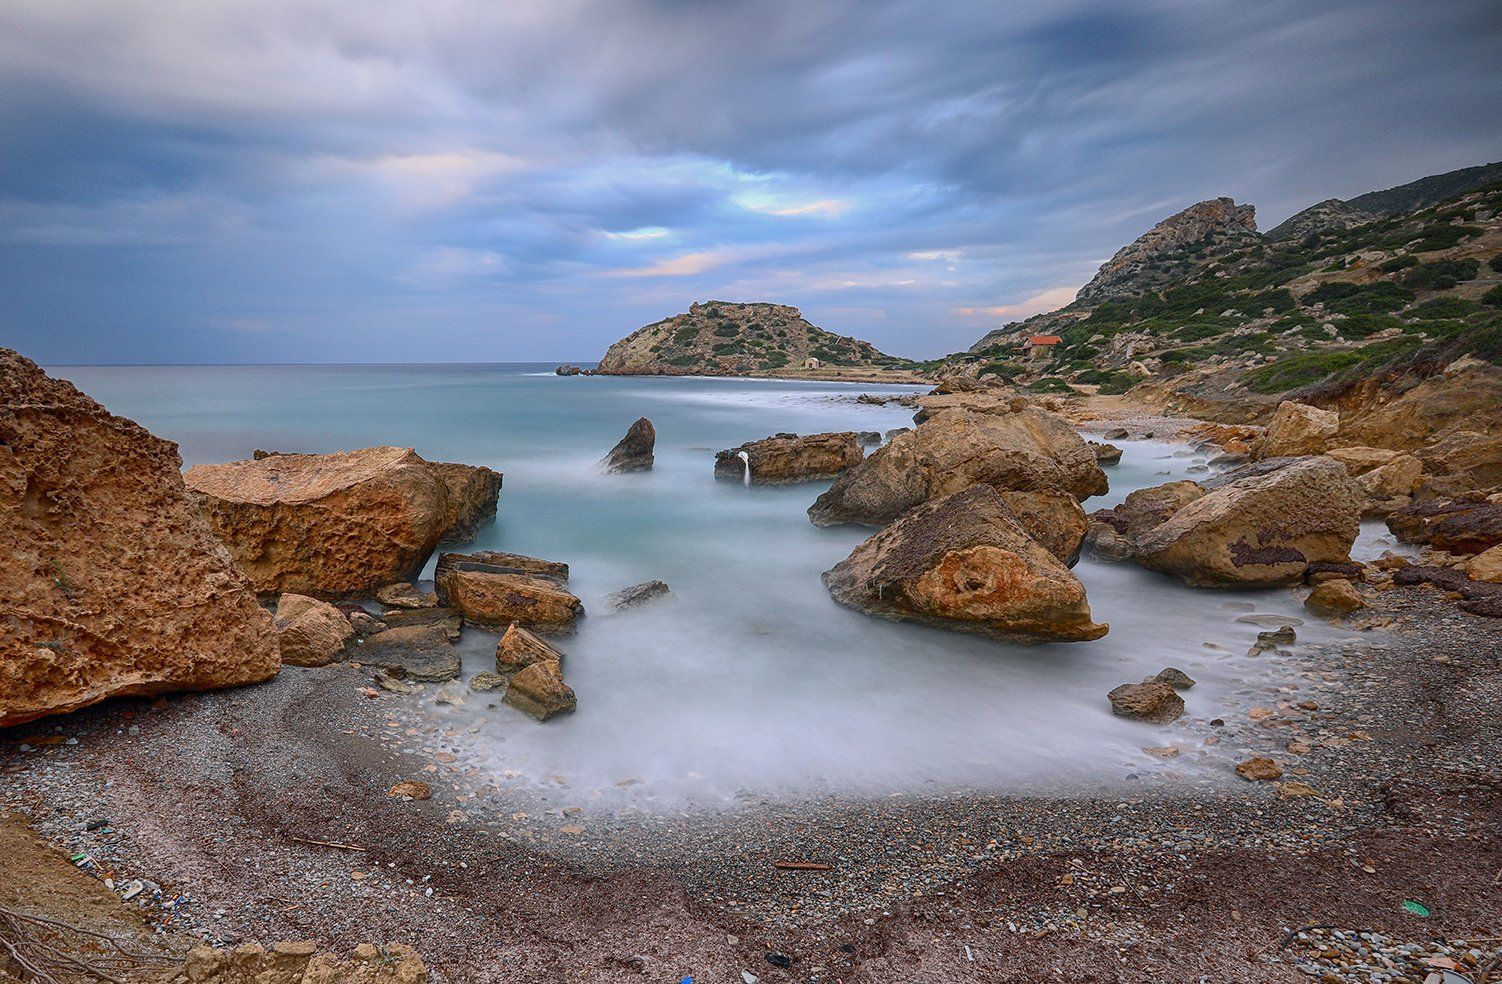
(726, 331)
(1399, 263)
(1307, 368)
(1117, 383)
(1496, 263)
(1050, 384)
(1493, 297)
(1442, 307)
(1442, 274)
(1347, 298)
(687, 333)
(1444, 237)
(1364, 325)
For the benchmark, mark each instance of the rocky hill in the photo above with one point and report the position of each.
(1204, 313)
(1423, 193)
(720, 338)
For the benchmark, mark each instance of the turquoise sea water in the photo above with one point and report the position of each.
(752, 681)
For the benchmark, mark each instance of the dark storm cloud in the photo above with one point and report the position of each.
(458, 179)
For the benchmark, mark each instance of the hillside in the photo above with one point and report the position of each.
(721, 338)
(1234, 322)
(1410, 197)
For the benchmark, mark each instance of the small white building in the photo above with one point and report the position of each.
(811, 363)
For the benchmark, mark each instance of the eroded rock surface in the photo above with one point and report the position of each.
(1297, 428)
(1113, 533)
(300, 963)
(311, 632)
(633, 453)
(489, 598)
(784, 459)
(113, 583)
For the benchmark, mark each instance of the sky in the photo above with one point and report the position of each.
(186, 181)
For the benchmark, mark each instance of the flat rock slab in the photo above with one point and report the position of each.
(637, 595)
(501, 562)
(519, 648)
(418, 652)
(490, 599)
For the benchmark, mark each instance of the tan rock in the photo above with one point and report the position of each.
(539, 690)
(1151, 701)
(415, 652)
(1297, 428)
(964, 562)
(1113, 533)
(1360, 460)
(1468, 524)
(404, 595)
(783, 459)
(1259, 769)
(311, 632)
(302, 963)
(411, 787)
(329, 524)
(519, 648)
(1260, 531)
(1485, 566)
(112, 583)
(473, 492)
(1055, 519)
(1028, 450)
(500, 562)
(1391, 486)
(486, 598)
(1334, 599)
(1462, 461)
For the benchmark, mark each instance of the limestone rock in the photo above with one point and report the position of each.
(1028, 450)
(1055, 519)
(417, 652)
(519, 648)
(1334, 599)
(1360, 460)
(403, 595)
(539, 690)
(1485, 566)
(500, 562)
(1461, 462)
(300, 963)
(1151, 701)
(784, 459)
(1261, 531)
(1463, 525)
(633, 453)
(494, 599)
(473, 492)
(964, 562)
(485, 682)
(1391, 486)
(1297, 428)
(637, 595)
(1113, 533)
(113, 583)
(1259, 769)
(1105, 454)
(449, 620)
(311, 632)
(336, 524)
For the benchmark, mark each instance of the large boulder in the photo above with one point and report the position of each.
(784, 459)
(501, 562)
(1391, 485)
(311, 632)
(1297, 428)
(1113, 533)
(964, 562)
(112, 583)
(539, 690)
(1460, 462)
(1335, 598)
(338, 524)
(633, 453)
(1467, 524)
(1260, 531)
(494, 599)
(1360, 460)
(1053, 518)
(1026, 450)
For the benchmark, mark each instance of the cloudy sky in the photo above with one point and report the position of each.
(474, 180)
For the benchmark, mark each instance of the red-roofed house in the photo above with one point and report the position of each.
(1041, 346)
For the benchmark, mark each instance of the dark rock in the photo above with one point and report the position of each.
(500, 562)
(1461, 525)
(1174, 677)
(1152, 701)
(634, 451)
(418, 652)
(567, 370)
(637, 595)
(868, 437)
(784, 459)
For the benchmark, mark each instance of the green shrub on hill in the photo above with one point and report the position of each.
(1442, 307)
(1493, 297)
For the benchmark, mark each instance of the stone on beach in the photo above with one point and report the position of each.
(519, 648)
(113, 583)
(964, 562)
(311, 632)
(1334, 599)
(1260, 531)
(633, 453)
(784, 459)
(539, 690)
(1259, 769)
(1113, 533)
(1297, 428)
(1468, 524)
(637, 595)
(417, 652)
(487, 598)
(338, 524)
(1027, 450)
(1152, 701)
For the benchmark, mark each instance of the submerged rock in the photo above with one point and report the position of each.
(637, 595)
(1261, 531)
(1151, 701)
(488, 598)
(311, 632)
(784, 459)
(485, 682)
(633, 453)
(418, 652)
(567, 369)
(964, 562)
(1297, 429)
(1028, 450)
(868, 438)
(113, 583)
(339, 524)
(539, 690)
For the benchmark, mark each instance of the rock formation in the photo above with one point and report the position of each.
(1028, 450)
(422, 653)
(501, 562)
(113, 583)
(331, 525)
(1297, 428)
(539, 690)
(1114, 532)
(1260, 531)
(311, 632)
(964, 562)
(519, 648)
(300, 963)
(1468, 524)
(493, 596)
(784, 459)
(637, 595)
(633, 453)
(1207, 225)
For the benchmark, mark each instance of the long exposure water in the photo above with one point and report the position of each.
(751, 680)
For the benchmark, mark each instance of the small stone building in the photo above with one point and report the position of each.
(1040, 347)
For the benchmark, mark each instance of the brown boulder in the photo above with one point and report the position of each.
(1151, 700)
(633, 453)
(311, 632)
(1259, 769)
(1360, 460)
(784, 459)
(1334, 599)
(495, 599)
(539, 690)
(473, 492)
(1105, 454)
(1390, 486)
(1261, 531)
(1485, 566)
(500, 562)
(1461, 462)
(964, 562)
(1464, 525)
(1297, 428)
(403, 594)
(519, 648)
(1055, 519)
(113, 584)
(414, 652)
(336, 524)
(1113, 533)
(1028, 450)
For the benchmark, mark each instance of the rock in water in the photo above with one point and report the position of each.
(1151, 700)
(784, 459)
(634, 452)
(1106, 454)
(1262, 531)
(500, 562)
(1114, 532)
(1028, 450)
(567, 369)
(113, 583)
(637, 595)
(311, 632)
(539, 690)
(495, 599)
(1174, 677)
(1055, 519)
(519, 648)
(964, 562)
(1334, 599)
(339, 524)
(1297, 428)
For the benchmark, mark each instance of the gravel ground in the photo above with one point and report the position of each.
(1392, 794)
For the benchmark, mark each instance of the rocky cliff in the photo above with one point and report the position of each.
(718, 338)
(1180, 244)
